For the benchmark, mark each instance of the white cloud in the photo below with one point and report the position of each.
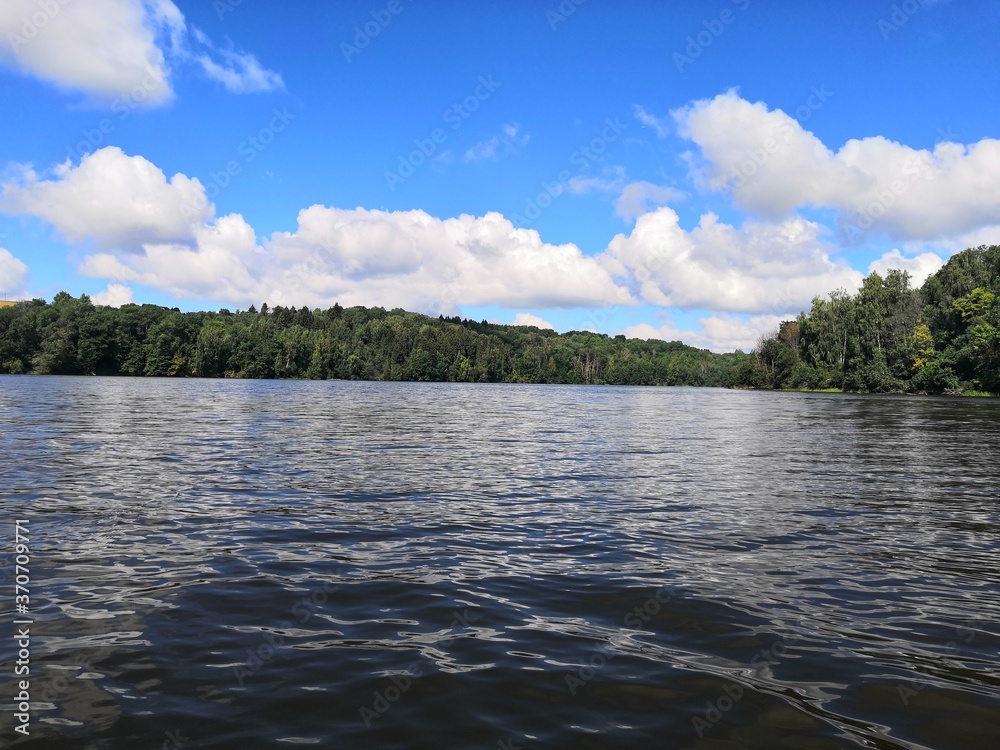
(444, 159)
(660, 125)
(638, 198)
(719, 333)
(511, 139)
(761, 267)
(106, 266)
(920, 267)
(13, 274)
(115, 295)
(634, 198)
(148, 235)
(115, 199)
(224, 262)
(527, 319)
(159, 233)
(109, 49)
(239, 72)
(768, 161)
(360, 257)
(772, 166)
(105, 48)
(988, 235)
(436, 264)
(483, 150)
(611, 180)
(513, 136)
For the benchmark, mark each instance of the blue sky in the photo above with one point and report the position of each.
(692, 170)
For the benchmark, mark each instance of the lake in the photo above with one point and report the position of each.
(244, 564)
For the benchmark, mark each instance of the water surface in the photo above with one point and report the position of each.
(243, 564)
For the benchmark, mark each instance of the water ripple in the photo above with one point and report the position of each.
(246, 564)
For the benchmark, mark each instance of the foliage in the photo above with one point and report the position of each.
(74, 336)
(941, 338)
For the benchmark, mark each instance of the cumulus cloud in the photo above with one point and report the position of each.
(105, 48)
(634, 198)
(760, 267)
(638, 198)
(13, 273)
(772, 166)
(359, 257)
(719, 333)
(527, 319)
(115, 295)
(160, 233)
(765, 158)
(223, 262)
(109, 49)
(112, 198)
(988, 235)
(920, 267)
(436, 264)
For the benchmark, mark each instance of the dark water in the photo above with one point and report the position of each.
(361, 565)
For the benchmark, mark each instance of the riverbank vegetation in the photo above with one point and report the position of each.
(941, 338)
(888, 337)
(72, 336)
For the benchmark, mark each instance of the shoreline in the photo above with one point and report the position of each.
(832, 391)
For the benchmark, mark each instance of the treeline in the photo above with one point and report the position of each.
(72, 336)
(941, 338)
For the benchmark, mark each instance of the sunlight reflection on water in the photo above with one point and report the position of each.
(432, 565)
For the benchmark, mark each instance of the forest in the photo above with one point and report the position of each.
(888, 337)
(72, 336)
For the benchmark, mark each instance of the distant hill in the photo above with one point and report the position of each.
(72, 336)
(941, 338)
